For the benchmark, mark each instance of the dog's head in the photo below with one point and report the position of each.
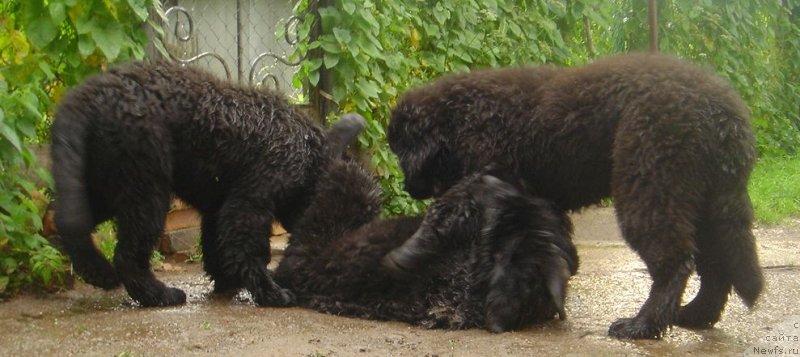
(533, 255)
(457, 124)
(420, 137)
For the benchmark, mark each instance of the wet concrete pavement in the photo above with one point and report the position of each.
(611, 283)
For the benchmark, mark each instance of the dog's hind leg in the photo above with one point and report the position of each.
(139, 226)
(726, 253)
(660, 227)
(245, 222)
(705, 309)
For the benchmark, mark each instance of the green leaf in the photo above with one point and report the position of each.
(41, 31)
(314, 64)
(353, 49)
(139, 7)
(366, 14)
(329, 16)
(313, 77)
(349, 7)
(27, 128)
(11, 135)
(109, 39)
(26, 185)
(57, 11)
(331, 59)
(369, 48)
(45, 67)
(84, 24)
(8, 265)
(346, 71)
(330, 46)
(363, 140)
(367, 88)
(30, 102)
(341, 35)
(338, 93)
(44, 175)
(440, 13)
(160, 48)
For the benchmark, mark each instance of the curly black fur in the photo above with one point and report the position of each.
(125, 140)
(669, 141)
(480, 278)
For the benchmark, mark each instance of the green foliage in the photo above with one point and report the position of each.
(105, 238)
(774, 190)
(375, 50)
(45, 47)
(197, 254)
(756, 46)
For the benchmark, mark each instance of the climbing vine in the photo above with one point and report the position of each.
(375, 50)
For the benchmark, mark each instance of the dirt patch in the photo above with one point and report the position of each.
(612, 283)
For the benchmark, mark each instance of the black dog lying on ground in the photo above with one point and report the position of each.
(506, 266)
(125, 140)
(670, 142)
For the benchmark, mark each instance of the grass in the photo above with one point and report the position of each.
(775, 189)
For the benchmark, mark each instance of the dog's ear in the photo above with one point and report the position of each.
(343, 132)
(557, 274)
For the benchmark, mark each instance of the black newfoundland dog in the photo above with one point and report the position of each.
(504, 260)
(670, 142)
(126, 140)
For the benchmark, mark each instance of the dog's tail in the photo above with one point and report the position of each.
(726, 244)
(740, 248)
(73, 216)
(748, 280)
(343, 132)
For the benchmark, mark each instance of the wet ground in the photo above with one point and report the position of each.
(611, 283)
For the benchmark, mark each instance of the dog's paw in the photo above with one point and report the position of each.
(394, 266)
(98, 273)
(106, 280)
(175, 296)
(275, 297)
(634, 329)
(166, 297)
(223, 286)
(697, 317)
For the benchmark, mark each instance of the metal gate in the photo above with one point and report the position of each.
(235, 40)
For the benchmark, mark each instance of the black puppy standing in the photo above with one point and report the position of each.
(670, 142)
(125, 140)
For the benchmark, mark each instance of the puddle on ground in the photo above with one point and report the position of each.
(611, 284)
